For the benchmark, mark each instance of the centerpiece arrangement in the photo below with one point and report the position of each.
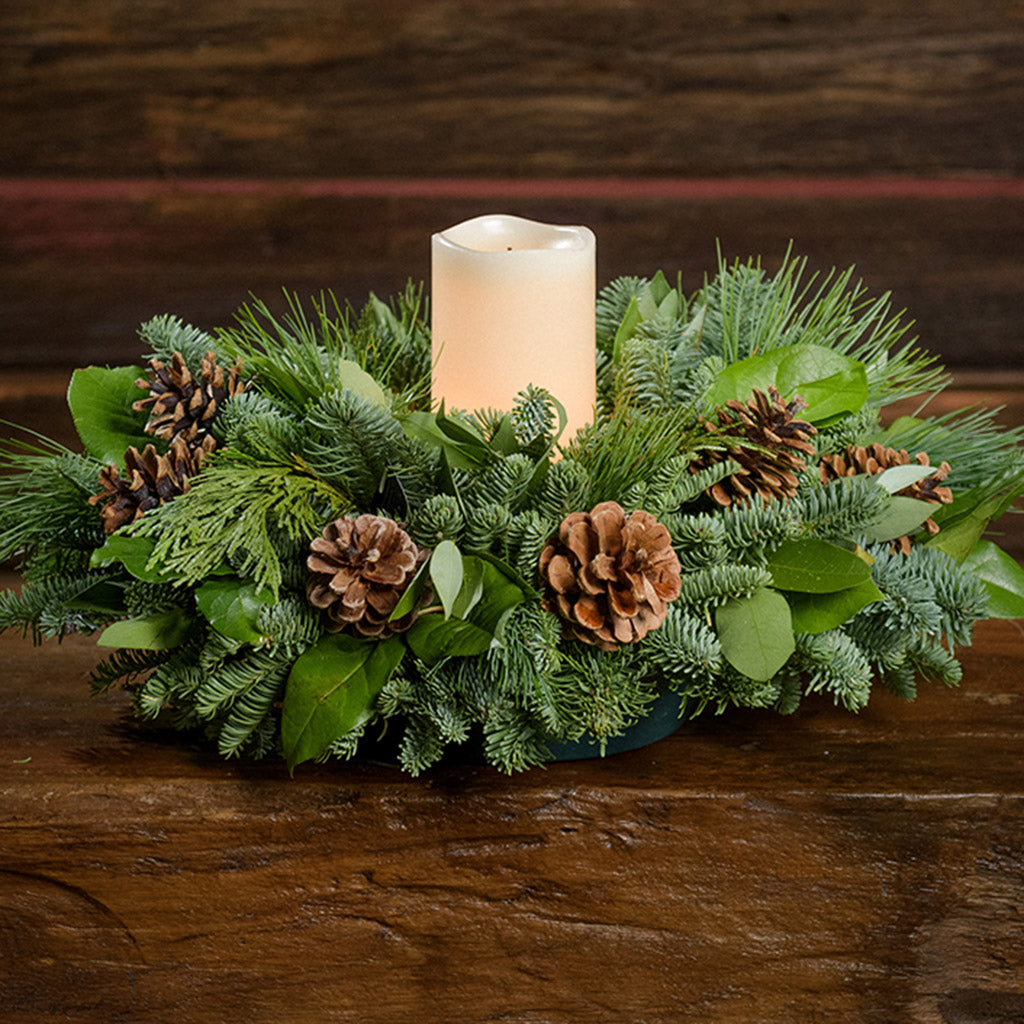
(286, 543)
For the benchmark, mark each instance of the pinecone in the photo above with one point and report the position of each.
(609, 575)
(361, 566)
(150, 480)
(876, 458)
(181, 406)
(771, 460)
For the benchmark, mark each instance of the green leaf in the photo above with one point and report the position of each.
(134, 553)
(631, 320)
(964, 521)
(105, 596)
(446, 574)
(832, 384)
(816, 566)
(903, 516)
(100, 400)
(232, 607)
(411, 594)
(1003, 578)
(463, 449)
(818, 613)
(504, 438)
(756, 633)
(895, 478)
(159, 631)
(330, 691)
(352, 377)
(472, 588)
(433, 638)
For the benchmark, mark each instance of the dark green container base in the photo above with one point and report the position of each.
(662, 720)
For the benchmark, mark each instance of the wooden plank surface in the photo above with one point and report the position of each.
(78, 275)
(336, 88)
(820, 868)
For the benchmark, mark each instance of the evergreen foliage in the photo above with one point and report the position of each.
(336, 420)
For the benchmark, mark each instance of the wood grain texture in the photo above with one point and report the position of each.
(77, 276)
(510, 87)
(820, 868)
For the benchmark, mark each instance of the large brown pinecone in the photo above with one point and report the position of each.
(150, 479)
(772, 455)
(876, 458)
(609, 575)
(360, 568)
(179, 404)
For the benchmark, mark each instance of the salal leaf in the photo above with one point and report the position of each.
(100, 399)
(904, 516)
(1003, 579)
(832, 384)
(412, 593)
(756, 633)
(462, 448)
(964, 521)
(446, 574)
(134, 553)
(895, 478)
(330, 691)
(816, 566)
(818, 613)
(352, 377)
(159, 631)
(233, 607)
(433, 638)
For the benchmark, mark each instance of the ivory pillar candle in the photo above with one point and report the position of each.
(512, 303)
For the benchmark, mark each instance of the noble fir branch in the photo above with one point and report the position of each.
(644, 377)
(707, 588)
(350, 442)
(535, 419)
(834, 664)
(841, 509)
(242, 511)
(612, 302)
(44, 498)
(686, 651)
(512, 741)
(505, 481)
(600, 694)
(125, 667)
(164, 335)
(53, 607)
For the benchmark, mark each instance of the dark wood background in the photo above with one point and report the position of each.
(158, 156)
(169, 157)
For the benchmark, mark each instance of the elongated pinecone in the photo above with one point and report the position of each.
(876, 458)
(180, 405)
(770, 458)
(609, 575)
(360, 568)
(150, 479)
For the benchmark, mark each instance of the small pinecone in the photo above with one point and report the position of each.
(875, 458)
(150, 480)
(180, 405)
(768, 466)
(609, 575)
(361, 566)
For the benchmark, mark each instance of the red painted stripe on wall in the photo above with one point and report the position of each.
(514, 188)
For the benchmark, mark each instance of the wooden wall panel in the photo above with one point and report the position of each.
(80, 275)
(510, 87)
